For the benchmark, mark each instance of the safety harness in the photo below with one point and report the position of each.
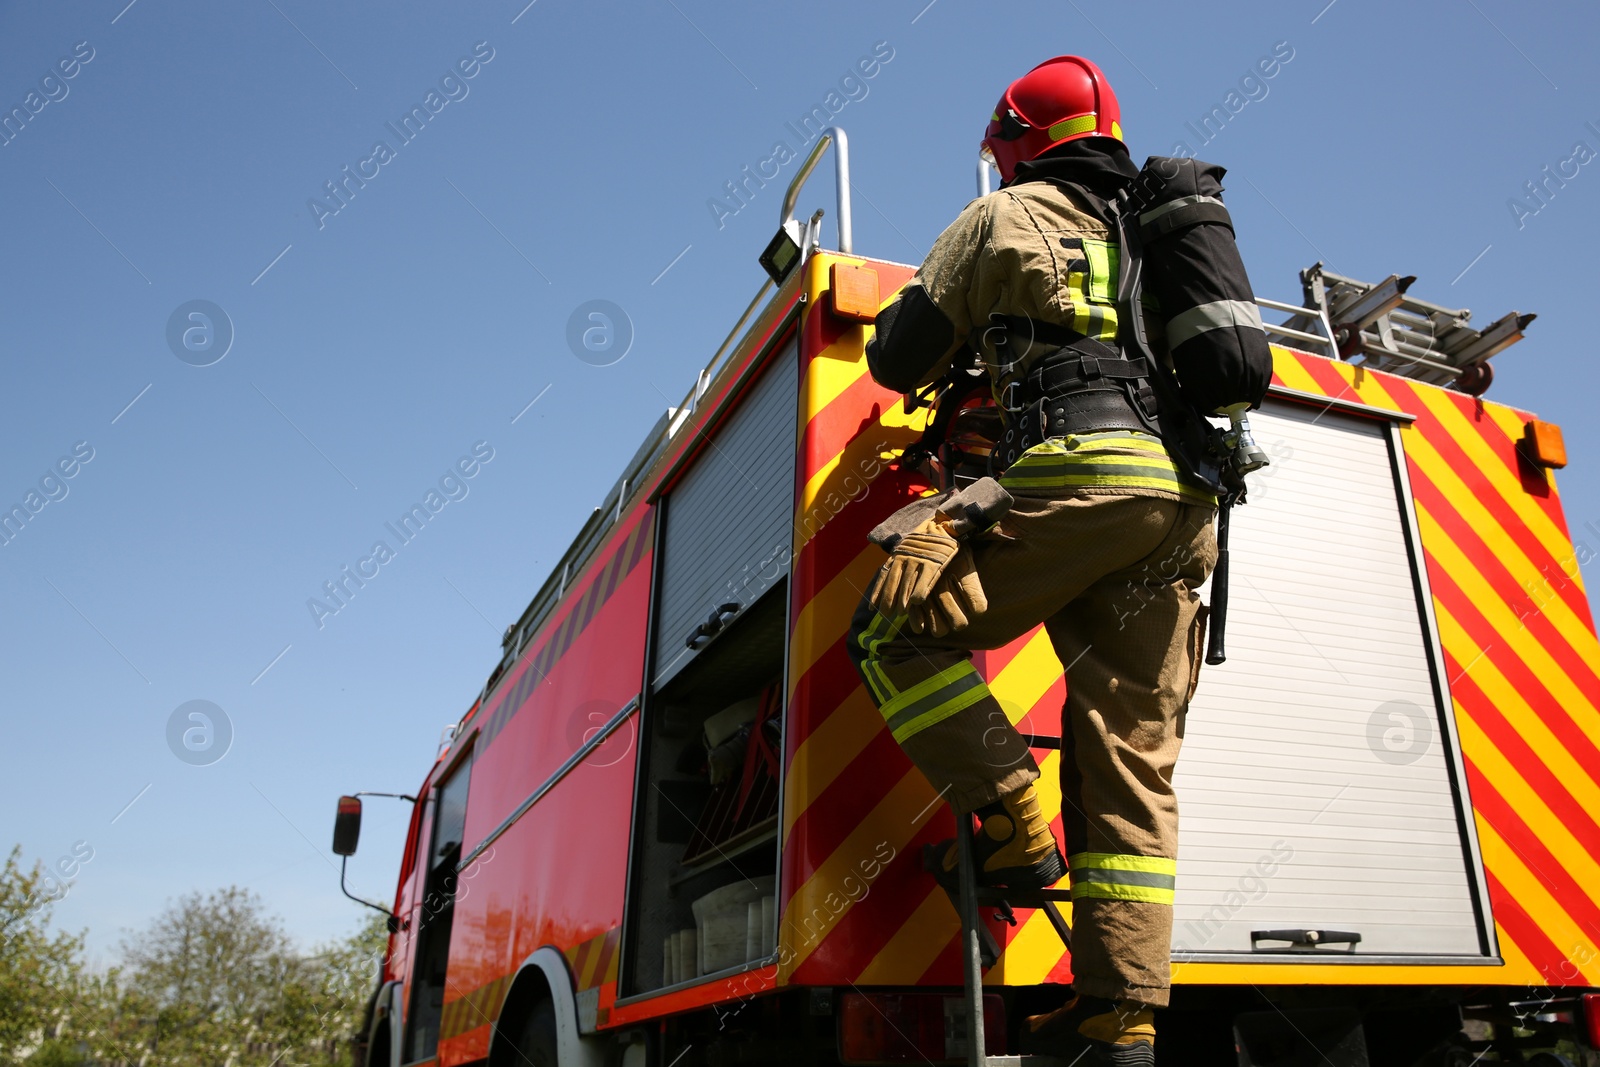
(1078, 385)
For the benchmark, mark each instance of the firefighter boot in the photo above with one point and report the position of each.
(1014, 846)
(1119, 1033)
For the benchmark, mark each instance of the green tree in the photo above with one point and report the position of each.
(347, 972)
(216, 982)
(40, 973)
(209, 983)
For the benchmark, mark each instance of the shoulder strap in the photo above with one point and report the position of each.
(1184, 431)
(1098, 205)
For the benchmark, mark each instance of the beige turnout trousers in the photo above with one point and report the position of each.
(1111, 573)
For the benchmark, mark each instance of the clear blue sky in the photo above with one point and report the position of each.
(372, 351)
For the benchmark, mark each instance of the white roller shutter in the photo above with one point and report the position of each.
(730, 520)
(1315, 785)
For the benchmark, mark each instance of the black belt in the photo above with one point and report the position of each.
(1080, 385)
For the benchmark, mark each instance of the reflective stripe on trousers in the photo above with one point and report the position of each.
(1110, 876)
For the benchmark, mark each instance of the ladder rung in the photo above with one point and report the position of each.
(1024, 1061)
(1019, 898)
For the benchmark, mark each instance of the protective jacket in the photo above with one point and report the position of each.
(1028, 278)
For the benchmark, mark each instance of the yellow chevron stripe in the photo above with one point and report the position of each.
(826, 616)
(1503, 480)
(893, 426)
(830, 373)
(827, 751)
(1023, 681)
(586, 979)
(1578, 779)
(1513, 425)
(1294, 375)
(1488, 526)
(1504, 621)
(916, 944)
(1514, 873)
(895, 820)
(1506, 780)
(611, 965)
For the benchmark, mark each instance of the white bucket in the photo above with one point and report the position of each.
(752, 931)
(685, 956)
(721, 919)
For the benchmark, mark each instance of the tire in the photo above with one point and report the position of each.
(1548, 1059)
(535, 1044)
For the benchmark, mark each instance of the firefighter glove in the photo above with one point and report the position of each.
(956, 600)
(916, 563)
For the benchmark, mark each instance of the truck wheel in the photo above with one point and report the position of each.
(536, 1042)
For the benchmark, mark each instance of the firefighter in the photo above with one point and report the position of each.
(1106, 539)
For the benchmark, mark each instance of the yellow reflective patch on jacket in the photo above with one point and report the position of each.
(1092, 294)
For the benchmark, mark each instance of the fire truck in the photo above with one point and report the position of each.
(673, 830)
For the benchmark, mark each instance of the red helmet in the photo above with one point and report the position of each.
(1062, 99)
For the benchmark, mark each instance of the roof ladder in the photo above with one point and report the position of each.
(1384, 327)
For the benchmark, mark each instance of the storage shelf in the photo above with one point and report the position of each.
(760, 834)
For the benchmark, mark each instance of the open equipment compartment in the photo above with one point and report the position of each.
(705, 837)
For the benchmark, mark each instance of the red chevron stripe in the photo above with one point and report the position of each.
(857, 936)
(1528, 763)
(851, 414)
(826, 685)
(1505, 446)
(860, 787)
(839, 538)
(1523, 931)
(1489, 564)
(1329, 380)
(1512, 523)
(1545, 866)
(1530, 685)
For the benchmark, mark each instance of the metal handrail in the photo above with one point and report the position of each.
(984, 173)
(1293, 335)
(841, 176)
(1300, 311)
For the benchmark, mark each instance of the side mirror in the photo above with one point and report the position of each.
(347, 826)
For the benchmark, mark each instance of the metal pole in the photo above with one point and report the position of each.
(841, 175)
(983, 177)
(841, 181)
(971, 958)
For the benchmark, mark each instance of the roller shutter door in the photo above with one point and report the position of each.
(729, 521)
(1315, 784)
